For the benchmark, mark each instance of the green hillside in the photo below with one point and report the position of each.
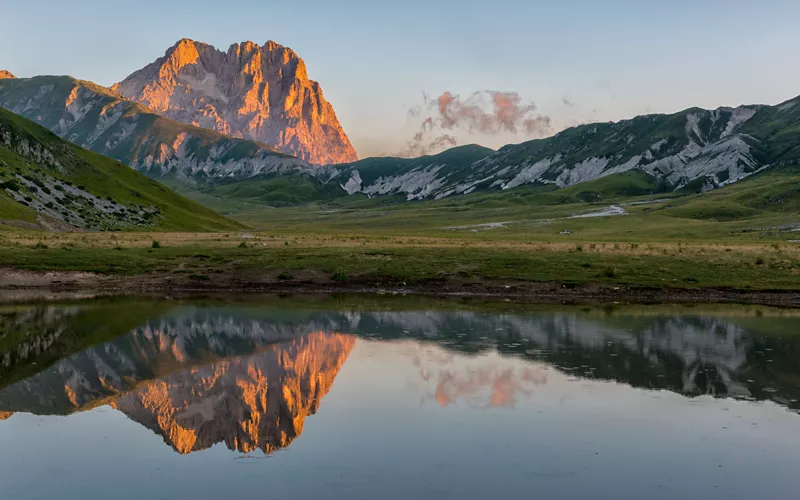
(47, 182)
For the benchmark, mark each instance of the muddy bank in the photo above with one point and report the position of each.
(19, 285)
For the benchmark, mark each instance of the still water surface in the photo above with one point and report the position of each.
(394, 399)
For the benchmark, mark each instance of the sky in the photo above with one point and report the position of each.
(577, 61)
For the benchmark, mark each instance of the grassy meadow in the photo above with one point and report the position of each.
(737, 237)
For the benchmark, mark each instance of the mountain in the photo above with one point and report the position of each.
(4, 74)
(412, 177)
(261, 93)
(255, 402)
(248, 375)
(258, 401)
(691, 151)
(694, 149)
(47, 182)
(415, 177)
(101, 120)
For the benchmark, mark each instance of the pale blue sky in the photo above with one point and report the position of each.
(612, 59)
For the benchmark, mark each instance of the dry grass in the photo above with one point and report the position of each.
(226, 240)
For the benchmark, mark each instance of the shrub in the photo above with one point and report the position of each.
(11, 185)
(243, 244)
(610, 272)
(284, 276)
(155, 244)
(340, 276)
(199, 277)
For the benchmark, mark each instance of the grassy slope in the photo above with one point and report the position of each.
(103, 177)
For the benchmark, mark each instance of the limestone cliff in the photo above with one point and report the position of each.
(256, 402)
(253, 92)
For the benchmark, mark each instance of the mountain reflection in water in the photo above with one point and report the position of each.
(249, 377)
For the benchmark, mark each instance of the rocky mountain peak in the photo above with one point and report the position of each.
(261, 93)
(6, 74)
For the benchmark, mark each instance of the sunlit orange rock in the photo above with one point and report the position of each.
(5, 74)
(254, 402)
(255, 92)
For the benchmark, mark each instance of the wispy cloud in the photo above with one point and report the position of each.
(485, 112)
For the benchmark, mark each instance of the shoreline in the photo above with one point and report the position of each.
(21, 285)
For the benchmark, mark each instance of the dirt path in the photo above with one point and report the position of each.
(16, 285)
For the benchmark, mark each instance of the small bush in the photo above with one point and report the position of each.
(284, 276)
(243, 244)
(155, 244)
(199, 277)
(39, 246)
(759, 261)
(586, 265)
(611, 272)
(340, 276)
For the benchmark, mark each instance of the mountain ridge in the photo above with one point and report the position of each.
(99, 119)
(691, 150)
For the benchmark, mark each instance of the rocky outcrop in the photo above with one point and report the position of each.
(4, 74)
(254, 92)
(256, 402)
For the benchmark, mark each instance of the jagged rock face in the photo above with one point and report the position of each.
(254, 92)
(4, 74)
(257, 402)
(195, 381)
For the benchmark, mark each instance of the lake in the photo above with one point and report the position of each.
(351, 397)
